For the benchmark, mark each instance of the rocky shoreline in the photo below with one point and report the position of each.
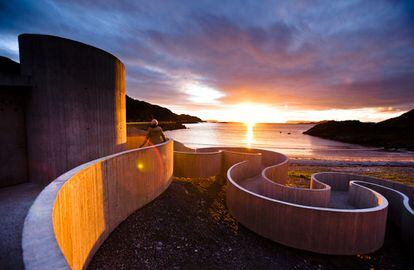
(395, 133)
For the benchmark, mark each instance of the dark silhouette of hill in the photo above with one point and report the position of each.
(141, 111)
(9, 66)
(396, 132)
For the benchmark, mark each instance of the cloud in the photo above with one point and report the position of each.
(319, 55)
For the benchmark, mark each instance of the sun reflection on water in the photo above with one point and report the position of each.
(249, 134)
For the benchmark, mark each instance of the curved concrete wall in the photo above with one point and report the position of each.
(400, 211)
(214, 161)
(318, 195)
(75, 213)
(220, 159)
(317, 229)
(276, 176)
(192, 164)
(76, 107)
(232, 157)
(345, 207)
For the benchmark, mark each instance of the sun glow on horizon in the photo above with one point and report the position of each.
(210, 103)
(252, 113)
(264, 113)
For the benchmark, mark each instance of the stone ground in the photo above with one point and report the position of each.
(189, 227)
(15, 201)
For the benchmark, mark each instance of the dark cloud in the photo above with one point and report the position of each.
(324, 54)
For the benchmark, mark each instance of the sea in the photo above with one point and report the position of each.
(285, 138)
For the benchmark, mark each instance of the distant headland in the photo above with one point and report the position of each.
(396, 132)
(139, 113)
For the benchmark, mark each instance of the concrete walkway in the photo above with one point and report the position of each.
(15, 201)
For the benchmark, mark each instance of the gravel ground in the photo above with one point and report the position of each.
(189, 227)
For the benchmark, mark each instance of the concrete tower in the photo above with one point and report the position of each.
(76, 106)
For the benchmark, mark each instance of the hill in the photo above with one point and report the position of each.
(396, 132)
(141, 111)
(9, 66)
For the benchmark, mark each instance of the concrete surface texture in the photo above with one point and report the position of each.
(399, 197)
(316, 229)
(339, 214)
(192, 164)
(13, 91)
(75, 213)
(76, 106)
(135, 137)
(13, 161)
(15, 201)
(269, 185)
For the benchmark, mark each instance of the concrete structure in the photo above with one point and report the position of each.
(13, 91)
(317, 229)
(400, 198)
(62, 106)
(76, 105)
(73, 111)
(340, 214)
(75, 213)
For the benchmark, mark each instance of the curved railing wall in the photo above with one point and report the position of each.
(317, 229)
(308, 214)
(75, 213)
(311, 219)
(319, 193)
(214, 161)
(400, 211)
(232, 157)
(192, 164)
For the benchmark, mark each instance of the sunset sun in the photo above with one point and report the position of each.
(251, 113)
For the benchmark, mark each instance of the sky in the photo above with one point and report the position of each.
(255, 61)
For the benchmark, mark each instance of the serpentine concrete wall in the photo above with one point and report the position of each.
(318, 195)
(309, 219)
(317, 229)
(75, 213)
(195, 165)
(399, 196)
(76, 106)
(215, 161)
(232, 157)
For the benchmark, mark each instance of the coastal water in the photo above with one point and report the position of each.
(285, 138)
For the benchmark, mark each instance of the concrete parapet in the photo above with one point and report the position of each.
(316, 229)
(75, 213)
(400, 210)
(194, 165)
(303, 218)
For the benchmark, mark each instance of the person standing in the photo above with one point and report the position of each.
(155, 134)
